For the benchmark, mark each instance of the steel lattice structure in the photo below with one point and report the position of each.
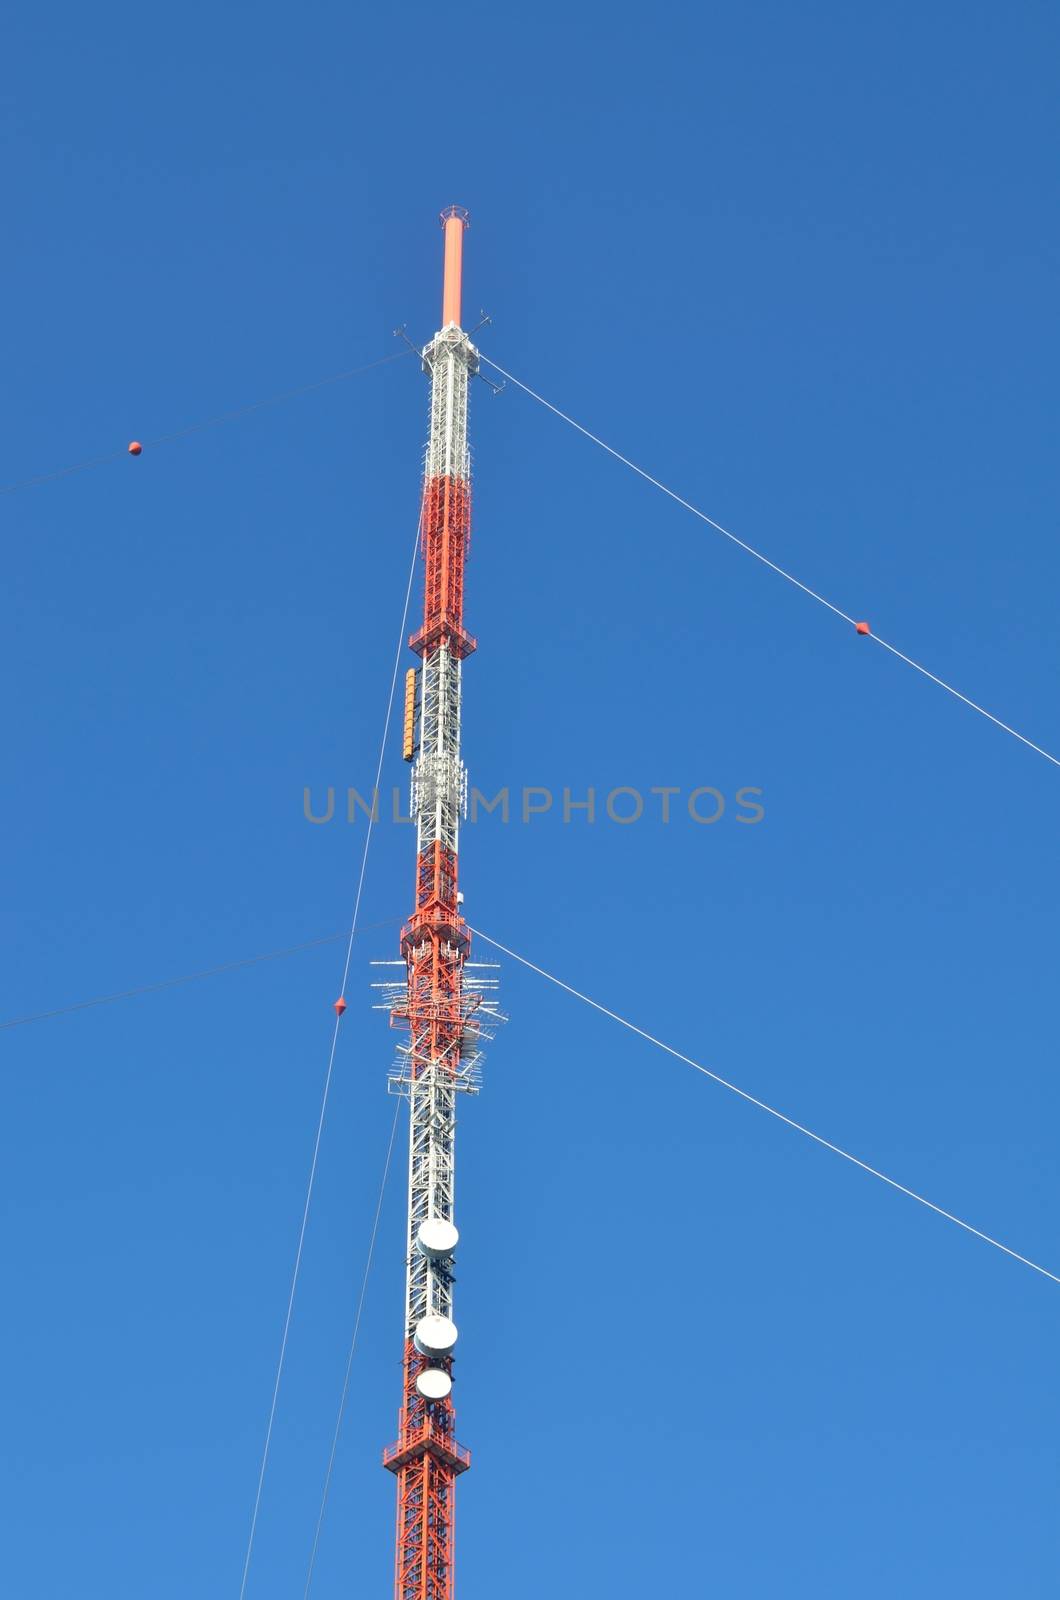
(446, 1006)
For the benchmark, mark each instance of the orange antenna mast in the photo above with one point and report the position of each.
(454, 220)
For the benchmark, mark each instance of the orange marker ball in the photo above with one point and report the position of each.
(136, 448)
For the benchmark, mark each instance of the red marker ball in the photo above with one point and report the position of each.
(862, 628)
(136, 448)
(340, 1006)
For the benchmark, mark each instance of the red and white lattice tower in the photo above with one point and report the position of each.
(446, 1006)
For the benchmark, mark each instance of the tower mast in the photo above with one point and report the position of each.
(445, 1008)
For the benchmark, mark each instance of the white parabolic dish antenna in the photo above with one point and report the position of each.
(435, 1336)
(437, 1238)
(434, 1384)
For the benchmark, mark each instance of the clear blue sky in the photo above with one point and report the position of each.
(800, 261)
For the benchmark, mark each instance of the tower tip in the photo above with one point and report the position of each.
(454, 220)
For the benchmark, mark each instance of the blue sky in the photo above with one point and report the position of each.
(800, 262)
